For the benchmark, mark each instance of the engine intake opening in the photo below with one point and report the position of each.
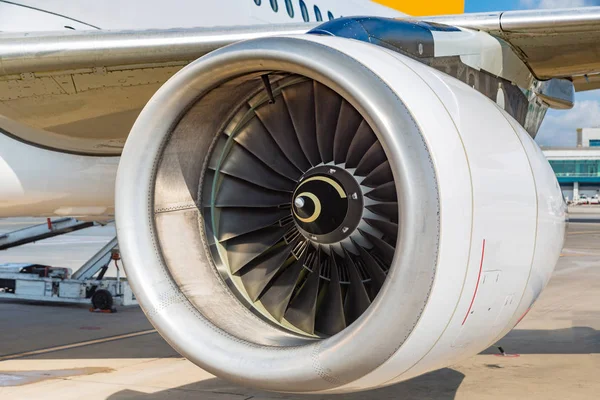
(310, 249)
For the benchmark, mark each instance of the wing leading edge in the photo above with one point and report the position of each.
(72, 50)
(554, 43)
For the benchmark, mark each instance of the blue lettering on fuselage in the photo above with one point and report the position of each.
(318, 16)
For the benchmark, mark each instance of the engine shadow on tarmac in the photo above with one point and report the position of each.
(576, 340)
(439, 385)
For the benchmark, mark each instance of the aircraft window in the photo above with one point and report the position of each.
(305, 16)
(257, 2)
(274, 5)
(290, 8)
(318, 14)
(330, 15)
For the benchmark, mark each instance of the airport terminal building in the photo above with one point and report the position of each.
(578, 168)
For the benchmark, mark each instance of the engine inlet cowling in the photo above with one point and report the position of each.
(306, 214)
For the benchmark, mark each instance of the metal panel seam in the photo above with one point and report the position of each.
(537, 216)
(472, 223)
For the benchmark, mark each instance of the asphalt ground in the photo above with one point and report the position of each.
(66, 352)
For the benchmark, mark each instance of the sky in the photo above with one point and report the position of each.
(559, 127)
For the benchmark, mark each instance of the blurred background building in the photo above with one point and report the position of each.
(578, 168)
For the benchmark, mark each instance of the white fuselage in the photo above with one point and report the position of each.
(160, 14)
(35, 181)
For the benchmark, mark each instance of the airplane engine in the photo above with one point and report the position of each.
(317, 214)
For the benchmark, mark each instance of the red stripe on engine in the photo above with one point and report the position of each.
(477, 286)
(523, 316)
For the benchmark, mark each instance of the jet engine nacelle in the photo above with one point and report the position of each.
(317, 214)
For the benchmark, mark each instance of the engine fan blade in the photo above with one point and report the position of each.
(263, 269)
(348, 122)
(389, 210)
(380, 175)
(238, 221)
(327, 106)
(361, 143)
(229, 189)
(373, 158)
(277, 297)
(255, 138)
(243, 165)
(376, 273)
(389, 229)
(300, 100)
(383, 248)
(357, 299)
(302, 308)
(245, 248)
(385, 193)
(276, 118)
(330, 315)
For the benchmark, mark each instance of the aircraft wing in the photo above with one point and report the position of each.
(81, 91)
(72, 50)
(553, 43)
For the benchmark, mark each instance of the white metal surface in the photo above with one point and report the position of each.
(12, 18)
(483, 52)
(39, 182)
(158, 14)
(30, 288)
(479, 300)
(71, 290)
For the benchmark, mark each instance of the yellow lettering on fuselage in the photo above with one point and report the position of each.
(426, 7)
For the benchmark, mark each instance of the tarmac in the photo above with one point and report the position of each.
(66, 352)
